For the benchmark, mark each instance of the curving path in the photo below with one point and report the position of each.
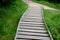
(31, 25)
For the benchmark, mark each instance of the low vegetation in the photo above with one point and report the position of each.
(9, 18)
(53, 22)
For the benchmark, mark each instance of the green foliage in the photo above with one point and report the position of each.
(38, 0)
(53, 22)
(9, 18)
(54, 1)
(5, 2)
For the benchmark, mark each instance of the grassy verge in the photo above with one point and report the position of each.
(53, 22)
(56, 6)
(9, 18)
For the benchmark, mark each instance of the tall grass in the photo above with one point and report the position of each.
(9, 18)
(53, 22)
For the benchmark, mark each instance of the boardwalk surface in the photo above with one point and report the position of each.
(31, 25)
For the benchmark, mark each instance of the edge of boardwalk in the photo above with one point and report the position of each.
(19, 22)
(46, 25)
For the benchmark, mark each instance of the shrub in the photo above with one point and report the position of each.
(54, 1)
(5, 2)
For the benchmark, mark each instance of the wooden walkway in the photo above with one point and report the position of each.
(31, 25)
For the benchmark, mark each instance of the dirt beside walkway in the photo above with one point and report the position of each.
(37, 4)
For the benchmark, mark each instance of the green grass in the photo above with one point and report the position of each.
(56, 6)
(9, 18)
(53, 22)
